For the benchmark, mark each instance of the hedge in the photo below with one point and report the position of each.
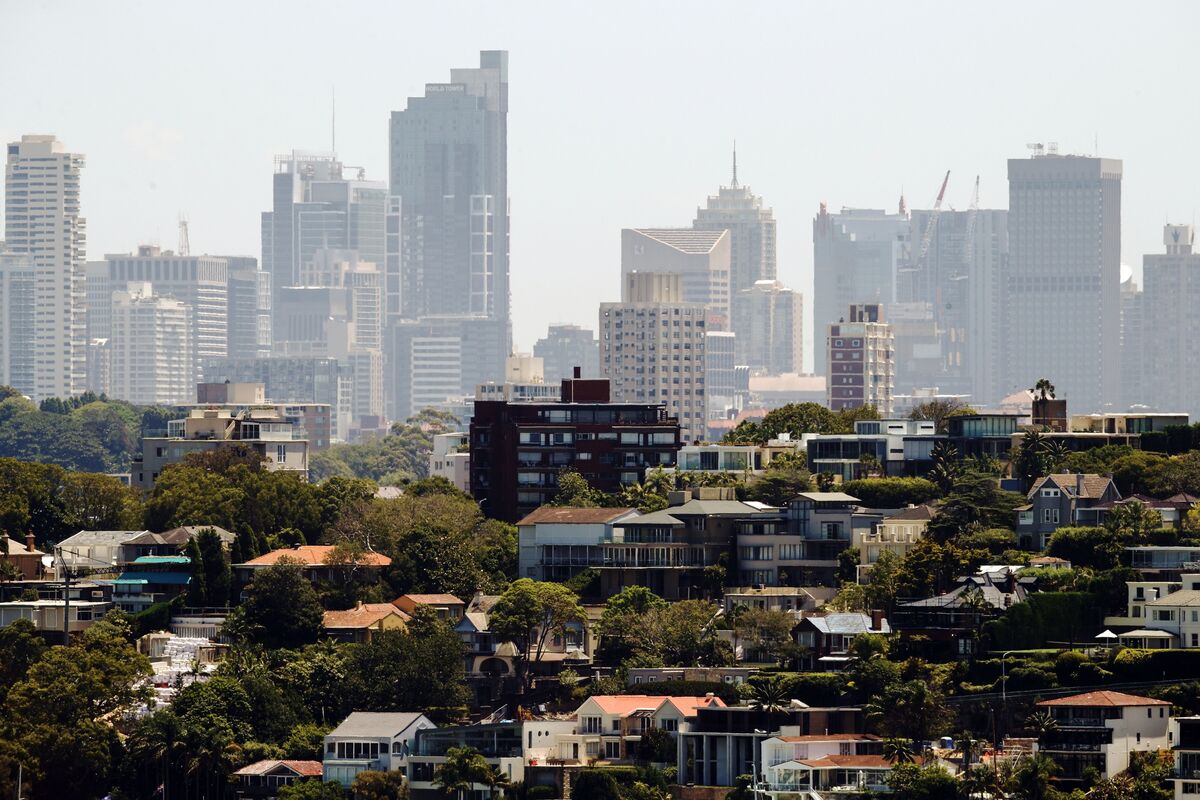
(891, 492)
(1046, 617)
(1150, 665)
(816, 688)
(681, 688)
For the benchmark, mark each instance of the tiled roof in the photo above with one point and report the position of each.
(312, 555)
(922, 513)
(688, 705)
(1184, 597)
(375, 723)
(430, 599)
(852, 762)
(829, 497)
(363, 616)
(16, 548)
(832, 737)
(1103, 699)
(845, 623)
(625, 704)
(574, 516)
(1094, 486)
(304, 769)
(92, 538)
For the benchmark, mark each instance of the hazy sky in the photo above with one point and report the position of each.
(621, 114)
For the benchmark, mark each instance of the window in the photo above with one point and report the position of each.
(1050, 516)
(592, 724)
(616, 726)
(1050, 493)
(613, 750)
(281, 453)
(670, 725)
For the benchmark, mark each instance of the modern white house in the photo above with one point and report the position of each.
(822, 765)
(555, 544)
(375, 741)
(610, 727)
(451, 460)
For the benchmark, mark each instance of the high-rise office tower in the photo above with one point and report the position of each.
(565, 347)
(860, 351)
(961, 279)
(42, 220)
(856, 256)
(1137, 387)
(721, 374)
(152, 361)
(316, 206)
(449, 168)
(700, 258)
(1064, 284)
(18, 278)
(249, 308)
(200, 282)
(1171, 323)
(652, 348)
(752, 255)
(768, 319)
(427, 354)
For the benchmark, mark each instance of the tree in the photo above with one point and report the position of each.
(975, 500)
(939, 411)
(595, 784)
(1040, 723)
(529, 614)
(913, 709)
(770, 696)
(575, 492)
(768, 632)
(779, 484)
(312, 789)
(1032, 779)
(463, 768)
(1098, 548)
(282, 608)
(20, 648)
(947, 466)
(914, 782)
(373, 785)
(680, 634)
(899, 751)
(1043, 388)
(1132, 522)
(891, 492)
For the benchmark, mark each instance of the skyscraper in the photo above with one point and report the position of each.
(768, 319)
(1171, 324)
(42, 220)
(652, 348)
(856, 256)
(699, 258)
(752, 255)
(1063, 291)
(17, 288)
(249, 308)
(449, 167)
(314, 207)
(152, 357)
(565, 347)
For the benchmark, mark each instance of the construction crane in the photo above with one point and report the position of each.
(185, 247)
(969, 237)
(927, 237)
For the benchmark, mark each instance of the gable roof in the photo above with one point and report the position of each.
(302, 769)
(16, 548)
(1094, 486)
(921, 513)
(1103, 700)
(688, 705)
(430, 600)
(312, 555)
(362, 616)
(565, 515)
(1184, 597)
(625, 704)
(845, 623)
(375, 723)
(831, 737)
(864, 761)
(95, 538)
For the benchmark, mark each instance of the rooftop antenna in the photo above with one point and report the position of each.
(185, 248)
(735, 183)
(333, 118)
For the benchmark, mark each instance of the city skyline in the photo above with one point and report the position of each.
(151, 157)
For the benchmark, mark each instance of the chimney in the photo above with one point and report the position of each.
(29, 543)
(1079, 484)
(876, 619)
(577, 373)
(357, 604)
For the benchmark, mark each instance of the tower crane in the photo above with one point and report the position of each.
(972, 214)
(927, 237)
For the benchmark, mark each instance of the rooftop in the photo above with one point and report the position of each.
(312, 555)
(685, 240)
(362, 616)
(1093, 486)
(564, 515)
(1103, 700)
(922, 513)
(375, 723)
(625, 704)
(1184, 597)
(828, 497)
(304, 769)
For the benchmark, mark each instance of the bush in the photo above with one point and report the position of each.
(816, 688)
(891, 492)
(1030, 678)
(1046, 618)
(1156, 664)
(726, 691)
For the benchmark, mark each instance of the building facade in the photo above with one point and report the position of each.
(701, 259)
(752, 251)
(653, 349)
(153, 361)
(1171, 281)
(43, 221)
(1063, 291)
(18, 287)
(861, 360)
(768, 319)
(565, 347)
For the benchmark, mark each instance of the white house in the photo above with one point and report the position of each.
(557, 543)
(373, 741)
(610, 727)
(1101, 729)
(451, 460)
(841, 764)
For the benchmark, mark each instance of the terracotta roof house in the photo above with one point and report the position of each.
(610, 727)
(25, 557)
(447, 606)
(1098, 730)
(318, 562)
(263, 779)
(360, 623)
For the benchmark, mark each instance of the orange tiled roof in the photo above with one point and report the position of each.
(363, 616)
(307, 769)
(832, 737)
(430, 599)
(1103, 699)
(313, 555)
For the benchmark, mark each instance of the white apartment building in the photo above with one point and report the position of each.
(42, 220)
(450, 459)
(17, 287)
(652, 349)
(367, 740)
(151, 346)
(1100, 729)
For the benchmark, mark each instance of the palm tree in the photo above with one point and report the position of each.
(770, 695)
(1043, 387)
(463, 768)
(974, 600)
(1054, 454)
(1039, 723)
(899, 751)
(981, 781)
(1033, 777)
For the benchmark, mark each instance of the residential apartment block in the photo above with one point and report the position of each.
(768, 319)
(652, 349)
(700, 257)
(153, 362)
(861, 360)
(1099, 730)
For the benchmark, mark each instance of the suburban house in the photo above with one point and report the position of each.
(446, 606)
(169, 543)
(893, 447)
(368, 740)
(801, 548)
(610, 727)
(360, 623)
(25, 557)
(1163, 563)
(799, 599)
(949, 623)
(827, 637)
(47, 615)
(1101, 729)
(799, 765)
(150, 580)
(1146, 624)
(264, 779)
(894, 534)
(319, 562)
(557, 543)
(93, 550)
(1060, 500)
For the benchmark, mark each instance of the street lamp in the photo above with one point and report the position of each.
(1004, 687)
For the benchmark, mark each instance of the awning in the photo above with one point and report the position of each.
(1106, 634)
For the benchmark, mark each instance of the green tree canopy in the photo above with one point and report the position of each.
(282, 608)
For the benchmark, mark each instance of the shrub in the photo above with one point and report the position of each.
(891, 492)
(816, 688)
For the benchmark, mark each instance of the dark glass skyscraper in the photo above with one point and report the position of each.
(449, 167)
